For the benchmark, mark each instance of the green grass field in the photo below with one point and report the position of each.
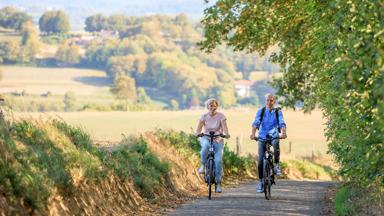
(305, 132)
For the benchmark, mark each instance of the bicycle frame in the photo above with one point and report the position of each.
(268, 167)
(209, 175)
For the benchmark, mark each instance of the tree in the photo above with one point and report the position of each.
(95, 23)
(124, 88)
(116, 22)
(331, 55)
(29, 41)
(10, 51)
(12, 18)
(181, 19)
(142, 96)
(55, 22)
(68, 54)
(69, 101)
(225, 94)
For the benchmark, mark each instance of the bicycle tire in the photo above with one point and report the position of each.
(211, 176)
(267, 179)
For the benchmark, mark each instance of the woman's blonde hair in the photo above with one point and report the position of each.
(211, 100)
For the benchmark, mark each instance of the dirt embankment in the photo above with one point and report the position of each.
(112, 195)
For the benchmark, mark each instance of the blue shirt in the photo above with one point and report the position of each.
(269, 124)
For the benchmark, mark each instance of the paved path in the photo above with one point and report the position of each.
(288, 198)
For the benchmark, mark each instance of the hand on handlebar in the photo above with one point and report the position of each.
(283, 136)
(199, 135)
(253, 137)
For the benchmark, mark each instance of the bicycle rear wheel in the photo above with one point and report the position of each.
(211, 177)
(267, 179)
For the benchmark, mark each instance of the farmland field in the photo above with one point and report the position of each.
(305, 131)
(55, 80)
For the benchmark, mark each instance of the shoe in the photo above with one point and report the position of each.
(260, 187)
(277, 170)
(201, 169)
(218, 188)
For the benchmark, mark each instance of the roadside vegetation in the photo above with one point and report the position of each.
(42, 160)
(331, 55)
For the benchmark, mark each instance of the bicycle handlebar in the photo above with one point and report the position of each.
(212, 135)
(257, 138)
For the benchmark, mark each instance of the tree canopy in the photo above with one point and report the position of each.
(13, 18)
(332, 56)
(54, 22)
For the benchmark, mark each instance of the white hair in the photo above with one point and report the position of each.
(211, 100)
(270, 95)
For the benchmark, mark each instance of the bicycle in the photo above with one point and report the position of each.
(209, 175)
(268, 168)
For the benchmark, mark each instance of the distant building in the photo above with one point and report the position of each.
(107, 34)
(243, 88)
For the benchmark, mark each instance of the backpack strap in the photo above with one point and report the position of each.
(277, 118)
(262, 116)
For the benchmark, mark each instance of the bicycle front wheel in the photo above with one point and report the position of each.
(267, 179)
(211, 177)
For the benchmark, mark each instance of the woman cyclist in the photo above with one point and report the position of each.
(212, 121)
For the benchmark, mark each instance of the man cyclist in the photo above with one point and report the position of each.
(269, 121)
(212, 121)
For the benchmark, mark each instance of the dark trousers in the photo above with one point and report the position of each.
(262, 148)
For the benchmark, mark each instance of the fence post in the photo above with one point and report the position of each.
(290, 147)
(313, 155)
(237, 145)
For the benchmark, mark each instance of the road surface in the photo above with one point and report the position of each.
(289, 197)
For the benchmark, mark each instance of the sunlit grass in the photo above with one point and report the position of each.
(305, 132)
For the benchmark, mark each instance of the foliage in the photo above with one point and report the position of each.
(54, 22)
(95, 23)
(69, 101)
(259, 89)
(341, 205)
(68, 55)
(159, 51)
(142, 96)
(132, 159)
(124, 88)
(173, 105)
(235, 164)
(12, 18)
(24, 51)
(55, 38)
(331, 55)
(36, 165)
(10, 51)
(29, 41)
(184, 142)
(188, 144)
(19, 104)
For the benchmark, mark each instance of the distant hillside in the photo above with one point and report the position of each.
(79, 10)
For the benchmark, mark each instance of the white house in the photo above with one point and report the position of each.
(243, 88)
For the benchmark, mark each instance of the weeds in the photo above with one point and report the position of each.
(341, 202)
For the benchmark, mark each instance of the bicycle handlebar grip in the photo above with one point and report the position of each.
(200, 135)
